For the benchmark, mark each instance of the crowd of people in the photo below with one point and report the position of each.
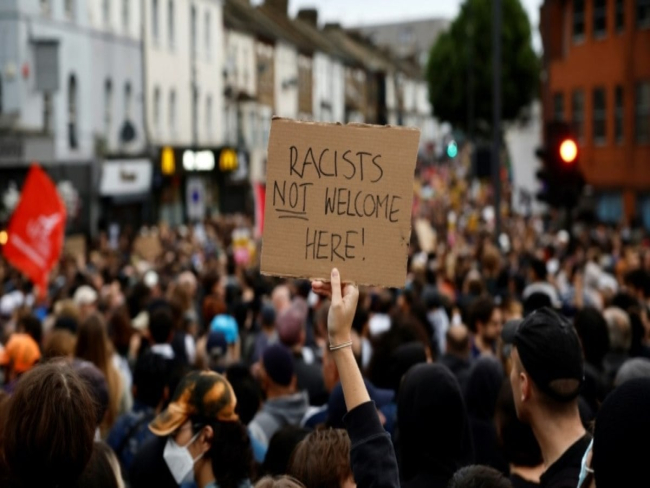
(519, 364)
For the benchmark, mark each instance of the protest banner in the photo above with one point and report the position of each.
(339, 195)
(75, 246)
(36, 228)
(148, 247)
(427, 238)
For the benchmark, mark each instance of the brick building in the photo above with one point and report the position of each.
(598, 65)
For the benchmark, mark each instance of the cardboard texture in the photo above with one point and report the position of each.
(339, 195)
(148, 247)
(426, 235)
(74, 246)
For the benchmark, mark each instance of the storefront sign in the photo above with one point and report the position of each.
(228, 160)
(125, 177)
(198, 160)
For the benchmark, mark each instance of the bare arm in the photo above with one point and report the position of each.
(339, 325)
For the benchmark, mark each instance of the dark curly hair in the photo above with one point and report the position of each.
(231, 454)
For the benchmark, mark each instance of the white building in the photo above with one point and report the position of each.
(329, 85)
(328, 72)
(286, 80)
(70, 91)
(520, 137)
(183, 62)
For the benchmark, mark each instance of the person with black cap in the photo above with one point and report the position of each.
(284, 404)
(546, 377)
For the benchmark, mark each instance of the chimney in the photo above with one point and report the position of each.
(281, 6)
(335, 26)
(309, 15)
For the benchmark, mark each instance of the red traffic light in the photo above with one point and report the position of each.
(568, 151)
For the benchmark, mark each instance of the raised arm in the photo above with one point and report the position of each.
(372, 456)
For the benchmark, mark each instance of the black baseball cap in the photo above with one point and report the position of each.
(549, 350)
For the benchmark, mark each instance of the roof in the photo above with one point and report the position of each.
(320, 38)
(303, 42)
(364, 54)
(240, 15)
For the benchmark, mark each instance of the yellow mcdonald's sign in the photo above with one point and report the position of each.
(228, 160)
(167, 161)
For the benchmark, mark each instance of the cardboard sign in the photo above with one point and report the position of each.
(75, 246)
(148, 247)
(339, 196)
(426, 235)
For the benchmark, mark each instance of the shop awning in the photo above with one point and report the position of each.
(126, 177)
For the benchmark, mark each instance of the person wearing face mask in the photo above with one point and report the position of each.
(206, 443)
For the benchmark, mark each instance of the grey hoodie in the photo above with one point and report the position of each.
(277, 413)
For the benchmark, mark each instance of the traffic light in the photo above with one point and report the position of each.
(452, 150)
(560, 177)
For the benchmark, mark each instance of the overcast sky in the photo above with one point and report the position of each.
(367, 12)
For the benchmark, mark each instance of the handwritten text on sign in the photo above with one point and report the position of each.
(339, 196)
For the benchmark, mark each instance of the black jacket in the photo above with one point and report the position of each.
(374, 463)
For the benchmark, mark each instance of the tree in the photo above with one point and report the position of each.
(460, 63)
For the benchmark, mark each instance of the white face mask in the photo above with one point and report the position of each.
(180, 461)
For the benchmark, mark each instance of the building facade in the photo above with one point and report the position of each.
(183, 54)
(70, 85)
(598, 64)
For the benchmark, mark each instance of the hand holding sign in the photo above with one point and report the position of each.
(344, 305)
(339, 196)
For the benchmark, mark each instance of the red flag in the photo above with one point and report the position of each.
(36, 228)
(260, 198)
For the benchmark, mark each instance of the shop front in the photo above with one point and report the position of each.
(125, 193)
(193, 184)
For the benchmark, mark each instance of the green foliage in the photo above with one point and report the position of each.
(466, 46)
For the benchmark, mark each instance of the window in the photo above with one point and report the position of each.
(46, 7)
(620, 15)
(128, 97)
(600, 18)
(208, 116)
(170, 21)
(642, 115)
(195, 113)
(172, 111)
(69, 9)
(619, 112)
(643, 13)
(106, 11)
(126, 17)
(600, 116)
(578, 20)
(405, 35)
(193, 29)
(609, 207)
(252, 131)
(246, 74)
(207, 34)
(156, 109)
(108, 106)
(558, 107)
(578, 113)
(154, 20)
(72, 112)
